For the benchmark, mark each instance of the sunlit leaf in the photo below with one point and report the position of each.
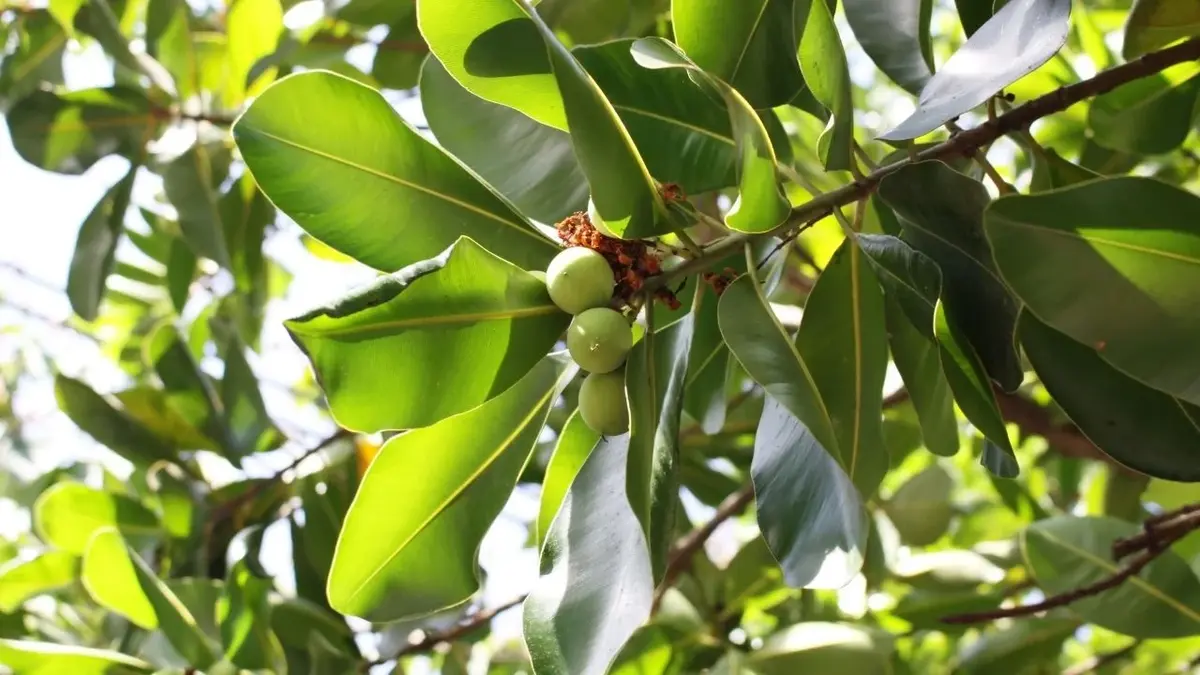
(21, 579)
(823, 60)
(67, 515)
(575, 444)
(28, 656)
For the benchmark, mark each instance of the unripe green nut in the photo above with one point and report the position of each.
(579, 279)
(603, 404)
(599, 340)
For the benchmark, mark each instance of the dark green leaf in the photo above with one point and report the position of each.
(575, 444)
(823, 60)
(245, 214)
(596, 586)
(972, 14)
(398, 58)
(751, 45)
(97, 19)
(96, 248)
(21, 579)
(52, 658)
(190, 182)
(1051, 171)
(252, 28)
(990, 60)
(704, 393)
(422, 559)
(823, 647)
(68, 133)
(919, 363)
(454, 332)
(1139, 427)
(895, 34)
(190, 391)
(68, 513)
(1029, 643)
(40, 44)
(175, 620)
(1157, 23)
(1131, 254)
(941, 212)
(910, 278)
(248, 425)
(403, 188)
(109, 425)
(244, 616)
(1148, 116)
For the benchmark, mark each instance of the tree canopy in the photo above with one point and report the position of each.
(620, 336)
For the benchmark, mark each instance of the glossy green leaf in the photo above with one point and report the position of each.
(809, 511)
(1130, 248)
(895, 34)
(921, 509)
(403, 189)
(154, 410)
(96, 248)
(68, 133)
(919, 363)
(843, 339)
(21, 579)
(575, 444)
(1157, 23)
(37, 56)
(111, 426)
(596, 585)
(67, 514)
(493, 50)
(1023, 644)
(1069, 552)
(751, 45)
(50, 658)
(244, 616)
(969, 384)
(253, 28)
(529, 163)
(422, 559)
(989, 61)
(1140, 427)
(823, 60)
(941, 213)
(454, 331)
(761, 204)
(1147, 116)
(112, 580)
(823, 647)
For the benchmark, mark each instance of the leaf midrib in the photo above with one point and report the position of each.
(1076, 236)
(737, 65)
(428, 321)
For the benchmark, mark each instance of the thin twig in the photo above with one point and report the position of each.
(434, 638)
(981, 159)
(960, 145)
(683, 550)
(1170, 526)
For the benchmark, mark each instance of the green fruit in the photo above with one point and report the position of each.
(579, 279)
(602, 403)
(599, 340)
(597, 221)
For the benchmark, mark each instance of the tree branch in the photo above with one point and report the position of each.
(683, 550)
(963, 144)
(432, 639)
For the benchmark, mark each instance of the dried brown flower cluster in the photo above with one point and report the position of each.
(632, 261)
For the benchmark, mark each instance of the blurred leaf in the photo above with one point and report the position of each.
(50, 658)
(1020, 645)
(596, 584)
(253, 28)
(921, 509)
(918, 360)
(819, 646)
(153, 410)
(751, 45)
(96, 248)
(467, 302)
(941, 212)
(704, 397)
(1147, 116)
(895, 34)
(649, 650)
(67, 514)
(989, 61)
(21, 579)
(405, 188)
(1157, 23)
(97, 19)
(948, 569)
(112, 581)
(189, 390)
(191, 182)
(247, 423)
(575, 444)
(924, 609)
(244, 616)
(1069, 552)
(68, 133)
(823, 60)
(1128, 250)
(423, 560)
(246, 213)
(398, 58)
(1051, 171)
(40, 45)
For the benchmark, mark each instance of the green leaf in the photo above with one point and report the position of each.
(398, 59)
(968, 382)
(190, 182)
(751, 45)
(249, 427)
(403, 188)
(704, 392)
(245, 215)
(189, 390)
(769, 356)
(972, 14)
(175, 621)
(434, 339)
(1051, 171)
(1140, 427)
(596, 585)
(422, 558)
(924, 608)
(988, 62)
(40, 45)
(1153, 24)
(1026, 644)
(96, 248)
(253, 28)
(1069, 552)
(529, 163)
(28, 656)
(67, 514)
(1129, 249)
(809, 511)
(244, 616)
(761, 204)
(823, 60)
(823, 647)
(21, 579)
(895, 34)
(68, 133)
(493, 50)
(843, 339)
(110, 426)
(941, 213)
(919, 363)
(1147, 116)
(910, 278)
(112, 580)
(97, 19)
(920, 508)
(575, 445)
(154, 410)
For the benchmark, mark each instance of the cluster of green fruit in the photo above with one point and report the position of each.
(599, 338)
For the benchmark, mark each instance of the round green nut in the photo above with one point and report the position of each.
(603, 404)
(599, 339)
(579, 279)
